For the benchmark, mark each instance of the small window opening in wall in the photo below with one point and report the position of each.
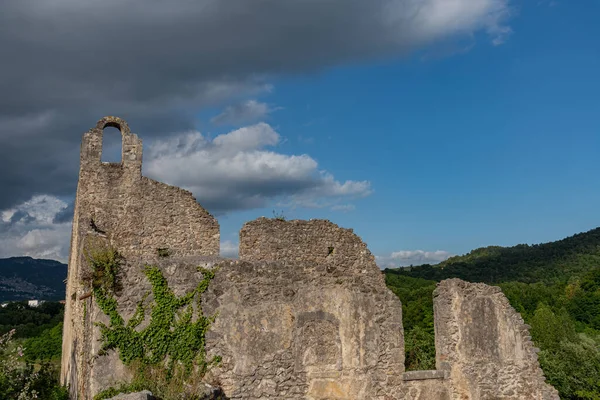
(111, 145)
(330, 250)
(416, 295)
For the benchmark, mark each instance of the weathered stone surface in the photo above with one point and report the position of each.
(422, 375)
(293, 330)
(115, 204)
(484, 344)
(303, 314)
(315, 241)
(144, 395)
(425, 389)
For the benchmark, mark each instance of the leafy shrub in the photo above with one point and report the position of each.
(20, 380)
(420, 349)
(47, 346)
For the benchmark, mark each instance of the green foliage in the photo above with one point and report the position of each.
(417, 300)
(105, 265)
(525, 297)
(122, 388)
(30, 321)
(46, 346)
(419, 347)
(562, 316)
(584, 294)
(21, 380)
(556, 288)
(573, 367)
(561, 326)
(416, 296)
(171, 346)
(47, 384)
(549, 329)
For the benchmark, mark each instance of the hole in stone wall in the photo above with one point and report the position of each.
(111, 145)
(416, 296)
(95, 227)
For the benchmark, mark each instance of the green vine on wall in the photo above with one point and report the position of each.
(172, 343)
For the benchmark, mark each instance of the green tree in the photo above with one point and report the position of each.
(47, 346)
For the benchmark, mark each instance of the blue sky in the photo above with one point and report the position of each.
(485, 133)
(495, 146)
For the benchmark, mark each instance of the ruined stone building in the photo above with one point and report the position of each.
(304, 313)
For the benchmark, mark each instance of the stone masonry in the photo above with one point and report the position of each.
(484, 345)
(116, 205)
(304, 312)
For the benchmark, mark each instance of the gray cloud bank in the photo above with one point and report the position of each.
(243, 113)
(67, 63)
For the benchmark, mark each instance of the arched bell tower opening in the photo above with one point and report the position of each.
(112, 144)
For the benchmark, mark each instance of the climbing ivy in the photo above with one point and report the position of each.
(123, 388)
(173, 341)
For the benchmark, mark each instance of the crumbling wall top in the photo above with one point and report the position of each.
(131, 151)
(114, 122)
(318, 241)
(485, 344)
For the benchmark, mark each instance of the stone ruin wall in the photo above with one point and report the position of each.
(484, 345)
(315, 241)
(116, 205)
(303, 314)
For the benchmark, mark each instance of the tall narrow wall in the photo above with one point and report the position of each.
(484, 345)
(116, 206)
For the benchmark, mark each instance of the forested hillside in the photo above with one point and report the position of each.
(556, 288)
(24, 278)
(548, 262)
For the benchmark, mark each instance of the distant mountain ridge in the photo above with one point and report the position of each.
(24, 278)
(547, 262)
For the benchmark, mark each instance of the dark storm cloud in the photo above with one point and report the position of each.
(67, 63)
(242, 113)
(21, 216)
(64, 215)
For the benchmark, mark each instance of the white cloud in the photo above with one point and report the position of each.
(182, 56)
(229, 249)
(404, 258)
(343, 207)
(29, 229)
(243, 113)
(235, 171)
